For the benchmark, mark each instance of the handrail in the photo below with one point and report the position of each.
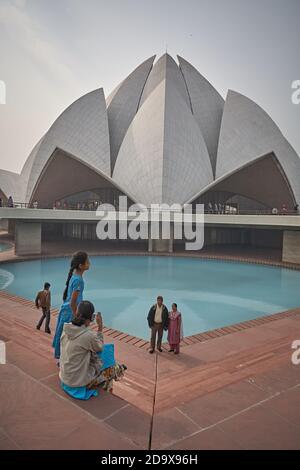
(93, 205)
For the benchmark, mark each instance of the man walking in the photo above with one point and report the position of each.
(158, 320)
(43, 300)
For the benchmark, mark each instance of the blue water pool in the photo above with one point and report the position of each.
(209, 293)
(4, 247)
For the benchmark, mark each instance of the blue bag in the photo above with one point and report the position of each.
(107, 356)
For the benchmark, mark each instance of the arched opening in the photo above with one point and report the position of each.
(68, 182)
(260, 185)
(3, 197)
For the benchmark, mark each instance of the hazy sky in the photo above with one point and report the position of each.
(54, 51)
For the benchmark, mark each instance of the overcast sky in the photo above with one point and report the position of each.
(54, 51)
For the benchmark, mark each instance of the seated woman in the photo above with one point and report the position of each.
(84, 362)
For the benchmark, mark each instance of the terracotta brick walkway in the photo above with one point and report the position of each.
(233, 389)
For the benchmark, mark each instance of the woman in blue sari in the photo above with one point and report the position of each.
(72, 296)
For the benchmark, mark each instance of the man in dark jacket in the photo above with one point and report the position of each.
(43, 301)
(158, 320)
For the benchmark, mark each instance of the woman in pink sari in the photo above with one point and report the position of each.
(175, 330)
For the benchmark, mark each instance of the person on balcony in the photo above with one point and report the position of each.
(10, 202)
(283, 209)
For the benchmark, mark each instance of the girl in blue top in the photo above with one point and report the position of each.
(72, 296)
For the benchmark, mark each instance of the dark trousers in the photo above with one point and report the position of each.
(156, 329)
(46, 315)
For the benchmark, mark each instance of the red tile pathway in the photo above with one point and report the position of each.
(230, 388)
(234, 391)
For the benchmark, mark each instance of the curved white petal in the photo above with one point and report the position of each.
(122, 105)
(82, 130)
(248, 132)
(12, 184)
(207, 106)
(165, 69)
(163, 157)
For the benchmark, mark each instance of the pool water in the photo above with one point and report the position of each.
(209, 293)
(3, 247)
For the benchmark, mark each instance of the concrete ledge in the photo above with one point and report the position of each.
(62, 215)
(28, 238)
(291, 246)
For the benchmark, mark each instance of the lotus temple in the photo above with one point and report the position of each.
(163, 136)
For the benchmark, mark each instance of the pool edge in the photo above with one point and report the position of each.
(187, 340)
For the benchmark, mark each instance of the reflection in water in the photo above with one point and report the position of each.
(6, 278)
(4, 247)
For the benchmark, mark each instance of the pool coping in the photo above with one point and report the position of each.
(217, 257)
(187, 340)
(10, 245)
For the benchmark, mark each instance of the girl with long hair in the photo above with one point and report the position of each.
(72, 296)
